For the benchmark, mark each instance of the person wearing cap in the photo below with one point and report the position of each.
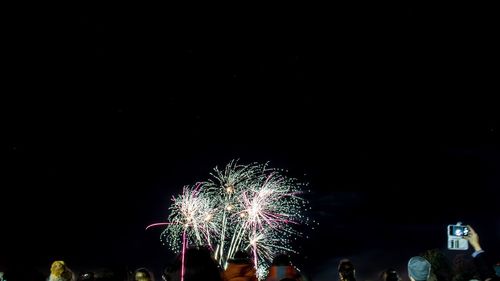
(240, 268)
(419, 269)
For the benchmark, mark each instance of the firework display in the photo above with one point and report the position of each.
(251, 208)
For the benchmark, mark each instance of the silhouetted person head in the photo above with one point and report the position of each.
(142, 274)
(240, 268)
(347, 272)
(60, 272)
(390, 275)
(199, 266)
(282, 269)
(419, 269)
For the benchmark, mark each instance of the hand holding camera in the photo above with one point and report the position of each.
(473, 239)
(460, 236)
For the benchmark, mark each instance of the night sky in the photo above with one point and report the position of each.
(109, 111)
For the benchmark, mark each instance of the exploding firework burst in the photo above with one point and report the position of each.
(242, 207)
(193, 212)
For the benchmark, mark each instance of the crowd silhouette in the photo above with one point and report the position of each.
(199, 265)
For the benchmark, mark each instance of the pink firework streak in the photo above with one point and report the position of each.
(191, 214)
(157, 224)
(184, 246)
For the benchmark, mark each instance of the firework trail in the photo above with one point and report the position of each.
(190, 219)
(271, 208)
(226, 188)
(242, 207)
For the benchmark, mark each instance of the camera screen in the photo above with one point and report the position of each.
(458, 230)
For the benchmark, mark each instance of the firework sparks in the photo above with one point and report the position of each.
(191, 213)
(241, 207)
(272, 207)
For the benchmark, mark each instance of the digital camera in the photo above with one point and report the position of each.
(456, 234)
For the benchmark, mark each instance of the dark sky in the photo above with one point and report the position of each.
(111, 110)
